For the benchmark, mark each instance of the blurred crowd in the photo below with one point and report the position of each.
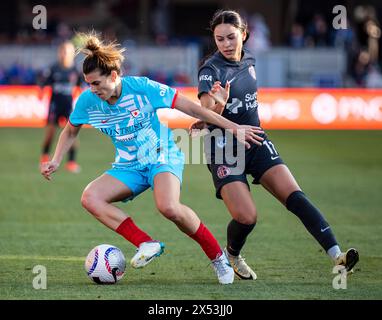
(18, 74)
(360, 40)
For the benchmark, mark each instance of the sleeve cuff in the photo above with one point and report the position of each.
(174, 99)
(74, 125)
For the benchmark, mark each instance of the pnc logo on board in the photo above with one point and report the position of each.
(324, 108)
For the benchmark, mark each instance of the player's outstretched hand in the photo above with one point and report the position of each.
(220, 94)
(47, 168)
(195, 128)
(248, 135)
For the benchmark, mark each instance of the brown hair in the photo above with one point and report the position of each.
(104, 57)
(229, 17)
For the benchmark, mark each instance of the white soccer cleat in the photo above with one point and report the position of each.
(242, 270)
(146, 253)
(223, 269)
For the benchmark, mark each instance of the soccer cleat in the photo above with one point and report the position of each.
(223, 269)
(146, 253)
(348, 259)
(73, 167)
(242, 270)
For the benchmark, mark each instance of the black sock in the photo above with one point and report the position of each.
(46, 148)
(72, 154)
(312, 219)
(236, 236)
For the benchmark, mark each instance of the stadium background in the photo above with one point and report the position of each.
(311, 77)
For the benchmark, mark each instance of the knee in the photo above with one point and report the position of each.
(247, 217)
(170, 210)
(89, 201)
(294, 200)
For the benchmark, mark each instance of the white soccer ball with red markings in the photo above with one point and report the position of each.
(105, 264)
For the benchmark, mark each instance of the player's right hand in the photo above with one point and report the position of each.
(220, 94)
(47, 168)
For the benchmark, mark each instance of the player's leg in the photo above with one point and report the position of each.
(167, 195)
(50, 131)
(279, 181)
(234, 190)
(238, 200)
(64, 109)
(98, 197)
(121, 185)
(72, 165)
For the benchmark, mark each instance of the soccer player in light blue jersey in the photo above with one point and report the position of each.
(124, 108)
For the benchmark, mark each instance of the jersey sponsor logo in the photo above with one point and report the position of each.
(223, 171)
(122, 131)
(234, 106)
(275, 157)
(205, 77)
(126, 137)
(105, 120)
(250, 97)
(251, 101)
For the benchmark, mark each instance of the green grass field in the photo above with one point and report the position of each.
(43, 223)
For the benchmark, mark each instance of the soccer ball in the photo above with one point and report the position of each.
(105, 264)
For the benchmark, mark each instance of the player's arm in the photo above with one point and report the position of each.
(65, 141)
(243, 133)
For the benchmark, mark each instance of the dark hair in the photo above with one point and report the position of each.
(229, 17)
(105, 57)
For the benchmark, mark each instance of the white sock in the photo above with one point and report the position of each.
(334, 252)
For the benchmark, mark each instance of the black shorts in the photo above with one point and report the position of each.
(257, 161)
(59, 109)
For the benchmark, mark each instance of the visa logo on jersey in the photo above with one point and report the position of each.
(205, 77)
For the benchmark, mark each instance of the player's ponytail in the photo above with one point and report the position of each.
(104, 57)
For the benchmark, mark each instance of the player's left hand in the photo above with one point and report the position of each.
(195, 128)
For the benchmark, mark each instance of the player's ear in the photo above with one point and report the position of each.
(245, 35)
(114, 75)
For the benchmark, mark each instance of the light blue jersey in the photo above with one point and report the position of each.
(132, 122)
(144, 147)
